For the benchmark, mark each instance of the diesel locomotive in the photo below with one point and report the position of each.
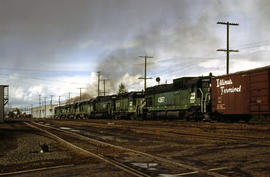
(187, 97)
(229, 97)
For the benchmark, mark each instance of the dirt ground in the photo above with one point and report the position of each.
(20, 151)
(229, 149)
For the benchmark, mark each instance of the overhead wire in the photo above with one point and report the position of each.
(187, 65)
(16, 77)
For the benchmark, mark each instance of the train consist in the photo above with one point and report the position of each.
(229, 97)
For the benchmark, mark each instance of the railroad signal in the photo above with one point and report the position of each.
(158, 80)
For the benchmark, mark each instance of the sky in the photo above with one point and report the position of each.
(54, 47)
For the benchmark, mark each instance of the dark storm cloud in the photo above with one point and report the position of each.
(192, 37)
(47, 34)
(186, 36)
(36, 32)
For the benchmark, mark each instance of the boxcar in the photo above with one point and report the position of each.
(242, 94)
(128, 105)
(187, 97)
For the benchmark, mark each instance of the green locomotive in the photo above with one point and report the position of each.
(85, 109)
(128, 105)
(103, 106)
(186, 98)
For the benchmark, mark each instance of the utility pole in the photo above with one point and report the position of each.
(98, 81)
(104, 83)
(45, 106)
(39, 98)
(145, 71)
(228, 48)
(31, 109)
(51, 100)
(81, 93)
(69, 98)
(3, 101)
(59, 100)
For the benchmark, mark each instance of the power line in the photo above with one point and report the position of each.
(254, 44)
(40, 70)
(36, 78)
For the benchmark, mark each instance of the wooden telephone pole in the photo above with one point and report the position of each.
(145, 70)
(98, 81)
(228, 48)
(81, 93)
(104, 84)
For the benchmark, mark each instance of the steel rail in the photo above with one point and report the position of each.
(110, 161)
(139, 152)
(214, 137)
(35, 170)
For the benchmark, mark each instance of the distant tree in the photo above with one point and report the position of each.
(122, 89)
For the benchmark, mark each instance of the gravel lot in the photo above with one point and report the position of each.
(20, 150)
(239, 149)
(28, 150)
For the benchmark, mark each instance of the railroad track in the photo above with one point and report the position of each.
(121, 157)
(165, 131)
(83, 150)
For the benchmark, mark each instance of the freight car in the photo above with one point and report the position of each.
(186, 98)
(241, 95)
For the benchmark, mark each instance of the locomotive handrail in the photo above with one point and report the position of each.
(201, 100)
(205, 100)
